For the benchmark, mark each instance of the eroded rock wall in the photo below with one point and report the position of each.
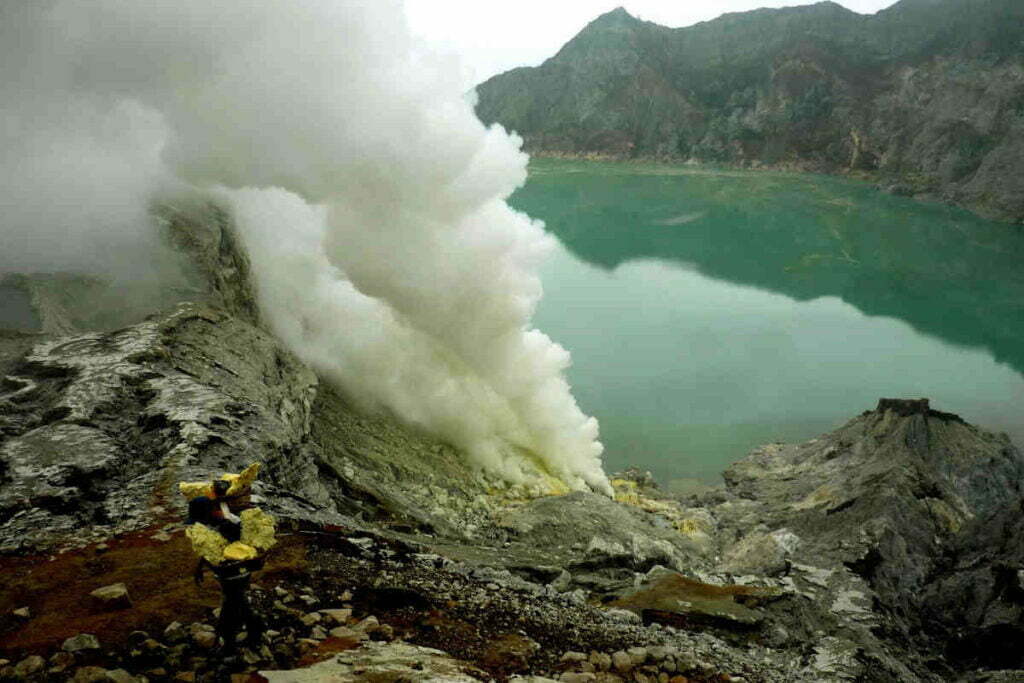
(98, 426)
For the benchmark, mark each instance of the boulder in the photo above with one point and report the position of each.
(396, 661)
(672, 598)
(337, 616)
(601, 661)
(137, 638)
(205, 640)
(81, 643)
(175, 633)
(311, 619)
(29, 667)
(61, 661)
(90, 674)
(369, 625)
(348, 635)
(761, 554)
(112, 597)
(622, 662)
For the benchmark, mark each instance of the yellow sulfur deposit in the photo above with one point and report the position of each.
(240, 483)
(239, 551)
(258, 529)
(257, 537)
(628, 492)
(207, 543)
(257, 526)
(194, 489)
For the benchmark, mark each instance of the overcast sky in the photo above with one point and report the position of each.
(492, 37)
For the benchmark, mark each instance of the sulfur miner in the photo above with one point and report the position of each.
(230, 536)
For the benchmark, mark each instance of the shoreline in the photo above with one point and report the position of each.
(891, 185)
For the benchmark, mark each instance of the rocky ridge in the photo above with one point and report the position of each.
(886, 550)
(925, 97)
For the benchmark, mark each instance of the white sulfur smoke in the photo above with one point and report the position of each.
(370, 197)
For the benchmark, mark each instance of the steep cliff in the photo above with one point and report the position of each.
(926, 96)
(109, 404)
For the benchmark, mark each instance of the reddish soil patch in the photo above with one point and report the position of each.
(159, 580)
(327, 649)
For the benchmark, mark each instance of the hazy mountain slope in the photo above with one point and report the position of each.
(928, 95)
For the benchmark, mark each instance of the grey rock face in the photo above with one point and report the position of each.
(879, 507)
(882, 495)
(115, 418)
(95, 424)
(588, 531)
(761, 554)
(974, 602)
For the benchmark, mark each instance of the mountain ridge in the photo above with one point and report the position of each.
(926, 98)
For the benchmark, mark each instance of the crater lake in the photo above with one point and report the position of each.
(708, 312)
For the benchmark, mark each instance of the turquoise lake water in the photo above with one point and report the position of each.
(709, 312)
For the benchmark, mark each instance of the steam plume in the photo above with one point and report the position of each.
(370, 197)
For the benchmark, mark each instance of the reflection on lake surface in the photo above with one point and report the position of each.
(710, 312)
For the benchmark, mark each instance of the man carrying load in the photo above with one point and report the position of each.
(230, 536)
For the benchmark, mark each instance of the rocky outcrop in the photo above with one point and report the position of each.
(863, 524)
(101, 426)
(380, 661)
(96, 426)
(882, 551)
(974, 601)
(924, 96)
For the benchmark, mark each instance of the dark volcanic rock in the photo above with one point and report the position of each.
(974, 602)
(879, 516)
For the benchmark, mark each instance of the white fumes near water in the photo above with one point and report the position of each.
(370, 197)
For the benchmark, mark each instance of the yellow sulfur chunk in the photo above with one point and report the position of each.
(239, 551)
(258, 529)
(240, 483)
(194, 489)
(207, 543)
